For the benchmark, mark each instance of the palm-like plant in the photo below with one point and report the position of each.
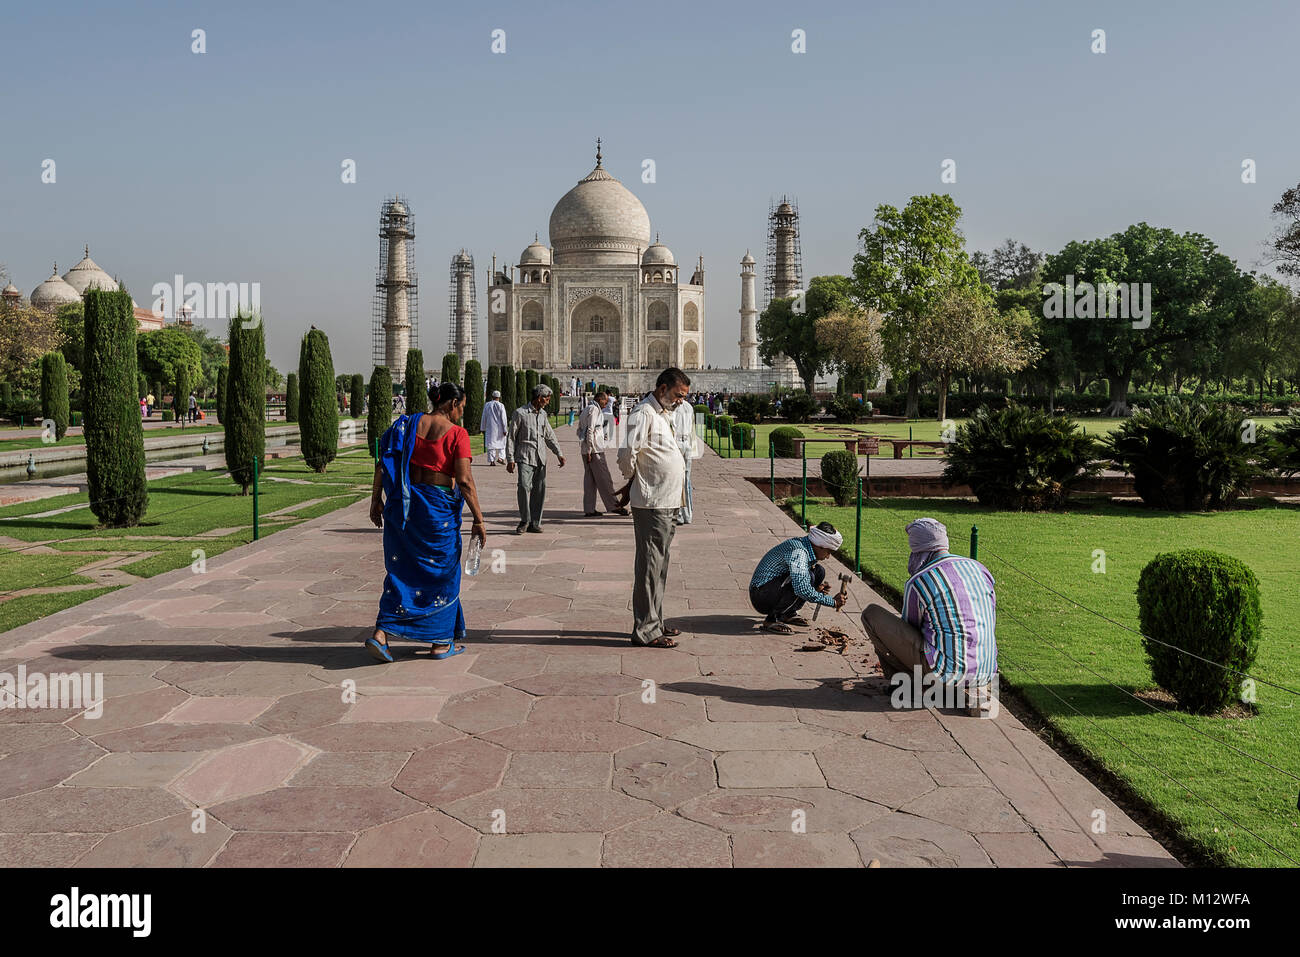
(1187, 456)
(1020, 458)
(1283, 447)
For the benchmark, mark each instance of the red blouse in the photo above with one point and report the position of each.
(440, 455)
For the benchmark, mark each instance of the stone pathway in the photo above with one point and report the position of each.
(245, 726)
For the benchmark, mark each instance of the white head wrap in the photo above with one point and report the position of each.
(824, 539)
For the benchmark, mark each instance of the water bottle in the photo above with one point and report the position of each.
(475, 551)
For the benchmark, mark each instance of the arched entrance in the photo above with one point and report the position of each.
(595, 331)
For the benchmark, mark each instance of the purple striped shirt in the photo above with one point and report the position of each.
(951, 601)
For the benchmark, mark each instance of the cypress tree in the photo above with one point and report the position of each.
(182, 393)
(531, 379)
(417, 394)
(291, 409)
(222, 375)
(358, 397)
(318, 423)
(245, 403)
(450, 367)
(508, 397)
(381, 405)
(493, 382)
(521, 388)
(473, 396)
(119, 493)
(54, 392)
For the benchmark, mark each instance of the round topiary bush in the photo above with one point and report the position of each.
(742, 436)
(722, 425)
(167, 415)
(1206, 604)
(781, 444)
(798, 406)
(840, 475)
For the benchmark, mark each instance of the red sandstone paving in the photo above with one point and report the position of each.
(734, 749)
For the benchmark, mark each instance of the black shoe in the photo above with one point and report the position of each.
(591, 514)
(519, 529)
(535, 528)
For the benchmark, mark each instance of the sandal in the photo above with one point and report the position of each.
(671, 632)
(450, 653)
(377, 651)
(797, 620)
(663, 641)
(777, 628)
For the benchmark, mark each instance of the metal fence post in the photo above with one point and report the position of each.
(803, 511)
(975, 542)
(857, 534)
(255, 501)
(771, 458)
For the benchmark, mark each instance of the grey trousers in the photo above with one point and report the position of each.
(532, 492)
(596, 477)
(654, 530)
(899, 644)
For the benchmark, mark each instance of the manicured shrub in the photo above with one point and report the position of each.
(291, 399)
(722, 425)
(450, 368)
(222, 375)
(166, 415)
(750, 407)
(742, 436)
(1198, 604)
(1020, 458)
(358, 397)
(1186, 456)
(182, 391)
(381, 406)
(845, 408)
(702, 410)
(416, 393)
(781, 443)
(318, 426)
(245, 415)
(54, 392)
(840, 476)
(508, 397)
(522, 395)
(473, 396)
(798, 406)
(118, 491)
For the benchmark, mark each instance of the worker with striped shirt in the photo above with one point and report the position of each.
(949, 615)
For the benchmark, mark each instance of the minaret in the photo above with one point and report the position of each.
(395, 232)
(748, 315)
(462, 311)
(785, 232)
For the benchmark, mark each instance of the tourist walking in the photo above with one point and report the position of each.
(422, 483)
(595, 466)
(194, 407)
(494, 430)
(527, 439)
(684, 430)
(652, 461)
(149, 400)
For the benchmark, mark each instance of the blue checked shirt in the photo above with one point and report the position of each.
(794, 557)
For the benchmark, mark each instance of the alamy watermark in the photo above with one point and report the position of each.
(1104, 300)
(211, 300)
(928, 690)
(72, 691)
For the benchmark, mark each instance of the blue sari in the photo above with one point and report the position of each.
(421, 599)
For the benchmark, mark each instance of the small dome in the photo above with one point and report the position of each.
(11, 292)
(399, 208)
(657, 254)
(535, 254)
(87, 274)
(54, 292)
(748, 260)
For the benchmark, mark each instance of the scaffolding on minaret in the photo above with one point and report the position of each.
(462, 308)
(783, 273)
(396, 288)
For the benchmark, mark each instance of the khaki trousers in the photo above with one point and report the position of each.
(899, 644)
(596, 477)
(654, 530)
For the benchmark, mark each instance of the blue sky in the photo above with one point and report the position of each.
(225, 166)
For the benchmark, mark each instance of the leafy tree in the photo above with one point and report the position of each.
(358, 396)
(54, 392)
(508, 397)
(380, 415)
(26, 334)
(1010, 266)
(182, 392)
(493, 381)
(851, 334)
(473, 396)
(212, 356)
(223, 374)
(450, 368)
(272, 378)
(318, 425)
(789, 326)
(1286, 240)
(910, 258)
(1268, 340)
(531, 380)
(118, 491)
(164, 352)
(522, 395)
(291, 399)
(1197, 296)
(417, 394)
(72, 328)
(245, 412)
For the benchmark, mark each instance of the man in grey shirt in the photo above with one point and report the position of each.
(527, 439)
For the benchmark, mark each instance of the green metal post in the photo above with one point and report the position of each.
(728, 441)
(857, 534)
(771, 458)
(255, 501)
(909, 439)
(803, 513)
(975, 542)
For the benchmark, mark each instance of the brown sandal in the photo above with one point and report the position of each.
(663, 641)
(672, 632)
(778, 628)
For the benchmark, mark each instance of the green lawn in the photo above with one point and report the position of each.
(172, 429)
(1158, 754)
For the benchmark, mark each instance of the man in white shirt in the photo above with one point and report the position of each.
(494, 430)
(595, 467)
(684, 429)
(652, 460)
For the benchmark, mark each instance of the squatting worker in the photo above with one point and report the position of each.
(494, 429)
(651, 460)
(790, 574)
(595, 466)
(949, 614)
(527, 439)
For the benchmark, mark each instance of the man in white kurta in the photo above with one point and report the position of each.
(596, 474)
(494, 430)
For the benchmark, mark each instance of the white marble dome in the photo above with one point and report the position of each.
(658, 255)
(535, 254)
(599, 222)
(86, 274)
(54, 292)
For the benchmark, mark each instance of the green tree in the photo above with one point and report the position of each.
(789, 326)
(291, 404)
(522, 395)
(851, 335)
(54, 392)
(182, 393)
(163, 352)
(1010, 266)
(493, 381)
(531, 380)
(909, 259)
(72, 327)
(473, 396)
(380, 415)
(417, 395)
(118, 491)
(223, 374)
(358, 397)
(318, 410)
(508, 397)
(212, 356)
(245, 413)
(450, 368)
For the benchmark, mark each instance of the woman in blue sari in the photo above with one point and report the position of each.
(422, 483)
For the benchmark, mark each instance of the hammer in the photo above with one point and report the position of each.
(844, 590)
